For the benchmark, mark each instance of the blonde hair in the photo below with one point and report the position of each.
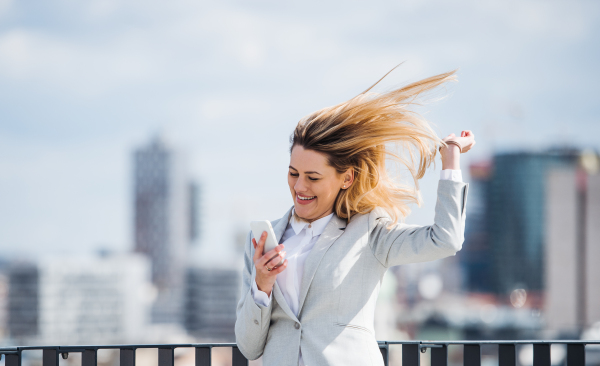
(365, 131)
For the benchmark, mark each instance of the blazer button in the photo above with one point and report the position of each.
(255, 321)
(297, 325)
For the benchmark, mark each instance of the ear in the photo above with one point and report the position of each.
(348, 178)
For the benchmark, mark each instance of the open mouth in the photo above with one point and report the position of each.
(303, 200)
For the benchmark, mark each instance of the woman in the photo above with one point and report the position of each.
(311, 300)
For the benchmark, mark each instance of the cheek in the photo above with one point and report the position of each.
(328, 192)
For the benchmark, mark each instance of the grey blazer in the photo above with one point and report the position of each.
(340, 284)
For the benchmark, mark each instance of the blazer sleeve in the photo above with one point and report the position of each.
(402, 243)
(253, 320)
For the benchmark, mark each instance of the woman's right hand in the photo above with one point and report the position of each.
(265, 279)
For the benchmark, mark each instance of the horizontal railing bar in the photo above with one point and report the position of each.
(122, 346)
(427, 344)
(562, 341)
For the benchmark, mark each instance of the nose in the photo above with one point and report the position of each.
(299, 187)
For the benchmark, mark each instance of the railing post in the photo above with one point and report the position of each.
(50, 357)
(89, 357)
(472, 355)
(127, 357)
(411, 355)
(13, 360)
(385, 352)
(575, 354)
(541, 354)
(166, 357)
(203, 356)
(439, 356)
(237, 358)
(507, 355)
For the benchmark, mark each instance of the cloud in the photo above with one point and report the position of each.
(82, 83)
(74, 65)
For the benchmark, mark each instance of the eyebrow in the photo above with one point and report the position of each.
(311, 172)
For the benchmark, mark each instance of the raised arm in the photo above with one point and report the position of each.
(402, 243)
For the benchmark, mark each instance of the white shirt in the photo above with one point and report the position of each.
(298, 239)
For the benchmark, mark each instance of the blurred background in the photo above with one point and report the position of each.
(138, 139)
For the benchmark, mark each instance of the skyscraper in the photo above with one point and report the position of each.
(505, 238)
(573, 247)
(476, 256)
(165, 223)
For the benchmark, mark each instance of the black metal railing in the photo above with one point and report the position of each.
(411, 352)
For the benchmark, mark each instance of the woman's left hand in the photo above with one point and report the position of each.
(450, 153)
(466, 140)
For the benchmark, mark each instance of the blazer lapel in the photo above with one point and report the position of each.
(333, 230)
(282, 302)
(279, 229)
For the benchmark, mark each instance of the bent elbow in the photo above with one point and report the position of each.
(248, 351)
(246, 343)
(454, 242)
(448, 241)
(457, 246)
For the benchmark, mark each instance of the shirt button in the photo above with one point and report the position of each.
(297, 325)
(255, 321)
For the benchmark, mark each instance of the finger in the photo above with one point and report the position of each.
(273, 263)
(276, 259)
(280, 268)
(463, 134)
(268, 255)
(451, 135)
(258, 252)
(254, 243)
(263, 238)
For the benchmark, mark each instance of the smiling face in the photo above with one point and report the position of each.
(314, 184)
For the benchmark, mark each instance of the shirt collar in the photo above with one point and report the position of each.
(318, 226)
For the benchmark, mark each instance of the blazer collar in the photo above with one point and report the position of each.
(332, 231)
(318, 226)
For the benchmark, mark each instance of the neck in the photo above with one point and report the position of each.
(302, 219)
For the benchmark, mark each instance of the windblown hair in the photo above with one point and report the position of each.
(365, 131)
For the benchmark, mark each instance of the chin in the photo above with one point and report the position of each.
(302, 212)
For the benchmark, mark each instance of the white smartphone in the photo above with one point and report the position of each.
(258, 227)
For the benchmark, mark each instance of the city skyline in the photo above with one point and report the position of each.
(83, 85)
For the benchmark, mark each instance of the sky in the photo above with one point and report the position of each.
(84, 83)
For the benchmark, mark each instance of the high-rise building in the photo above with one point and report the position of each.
(476, 256)
(165, 223)
(23, 302)
(592, 250)
(507, 229)
(572, 248)
(80, 300)
(211, 301)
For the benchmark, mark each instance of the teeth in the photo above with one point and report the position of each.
(306, 198)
